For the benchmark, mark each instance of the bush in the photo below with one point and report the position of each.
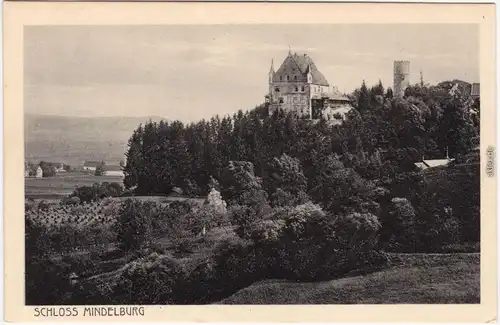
(357, 231)
(242, 216)
(154, 279)
(399, 226)
(72, 200)
(113, 189)
(240, 186)
(307, 222)
(286, 183)
(205, 217)
(134, 226)
(265, 231)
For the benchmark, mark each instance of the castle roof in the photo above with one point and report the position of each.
(296, 65)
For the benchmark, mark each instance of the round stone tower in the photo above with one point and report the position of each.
(401, 77)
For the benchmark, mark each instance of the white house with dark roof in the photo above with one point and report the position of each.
(299, 87)
(91, 165)
(431, 163)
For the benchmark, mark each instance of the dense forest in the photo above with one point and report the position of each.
(288, 198)
(377, 147)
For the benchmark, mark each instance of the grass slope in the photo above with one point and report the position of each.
(413, 279)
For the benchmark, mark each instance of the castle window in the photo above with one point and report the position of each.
(302, 88)
(281, 100)
(296, 88)
(294, 77)
(281, 77)
(287, 78)
(277, 89)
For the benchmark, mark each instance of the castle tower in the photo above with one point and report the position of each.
(401, 78)
(271, 72)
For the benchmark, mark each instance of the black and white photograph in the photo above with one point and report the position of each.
(252, 164)
(232, 161)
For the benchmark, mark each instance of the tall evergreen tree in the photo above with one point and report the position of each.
(364, 98)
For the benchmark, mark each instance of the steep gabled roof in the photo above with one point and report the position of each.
(296, 65)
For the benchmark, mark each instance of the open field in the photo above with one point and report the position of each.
(413, 279)
(63, 184)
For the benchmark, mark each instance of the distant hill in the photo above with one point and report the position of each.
(73, 140)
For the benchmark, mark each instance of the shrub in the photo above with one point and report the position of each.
(154, 279)
(399, 226)
(286, 183)
(43, 206)
(265, 231)
(242, 187)
(134, 225)
(308, 222)
(357, 231)
(113, 189)
(111, 208)
(72, 200)
(205, 217)
(242, 216)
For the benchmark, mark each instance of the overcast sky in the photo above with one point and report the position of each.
(194, 72)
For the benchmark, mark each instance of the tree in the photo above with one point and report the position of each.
(47, 169)
(135, 164)
(285, 179)
(339, 189)
(134, 226)
(357, 231)
(364, 98)
(241, 186)
(399, 226)
(389, 93)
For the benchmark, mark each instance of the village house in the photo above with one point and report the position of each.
(91, 165)
(430, 163)
(39, 172)
(33, 171)
(299, 87)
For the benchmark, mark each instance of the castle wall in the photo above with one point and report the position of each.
(294, 96)
(291, 96)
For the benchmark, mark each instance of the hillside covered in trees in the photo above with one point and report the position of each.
(375, 148)
(288, 199)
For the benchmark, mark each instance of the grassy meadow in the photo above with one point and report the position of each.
(411, 279)
(62, 184)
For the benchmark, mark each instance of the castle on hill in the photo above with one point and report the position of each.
(299, 87)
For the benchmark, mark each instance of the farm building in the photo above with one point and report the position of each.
(91, 165)
(39, 172)
(430, 163)
(113, 170)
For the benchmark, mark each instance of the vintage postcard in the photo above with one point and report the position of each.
(250, 162)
